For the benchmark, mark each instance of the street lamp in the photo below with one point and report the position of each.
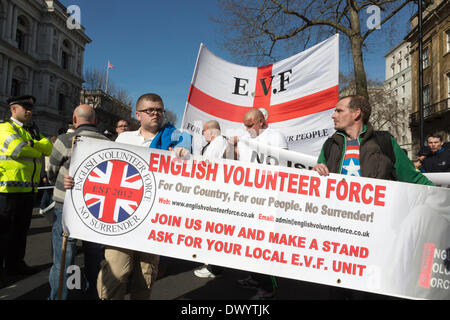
(421, 122)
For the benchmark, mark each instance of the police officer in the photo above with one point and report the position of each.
(21, 149)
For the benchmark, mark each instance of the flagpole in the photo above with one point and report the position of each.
(107, 73)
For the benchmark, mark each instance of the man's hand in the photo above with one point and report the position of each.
(321, 169)
(69, 183)
(181, 153)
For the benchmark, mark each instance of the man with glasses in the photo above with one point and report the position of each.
(121, 264)
(122, 126)
(22, 148)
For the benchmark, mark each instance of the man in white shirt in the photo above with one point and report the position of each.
(216, 145)
(259, 132)
(123, 265)
(215, 148)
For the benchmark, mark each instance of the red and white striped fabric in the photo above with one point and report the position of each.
(299, 93)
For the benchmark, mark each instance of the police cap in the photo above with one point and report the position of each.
(26, 101)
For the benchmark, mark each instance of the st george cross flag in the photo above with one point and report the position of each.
(298, 93)
(110, 66)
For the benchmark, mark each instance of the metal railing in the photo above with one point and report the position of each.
(430, 111)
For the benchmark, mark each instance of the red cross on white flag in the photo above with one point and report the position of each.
(299, 94)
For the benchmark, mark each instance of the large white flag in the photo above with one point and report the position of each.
(299, 94)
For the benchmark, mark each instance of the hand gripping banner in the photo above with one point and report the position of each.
(366, 234)
(299, 95)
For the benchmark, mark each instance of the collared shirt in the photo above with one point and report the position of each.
(17, 122)
(134, 138)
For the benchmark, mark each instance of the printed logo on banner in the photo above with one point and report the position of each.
(114, 191)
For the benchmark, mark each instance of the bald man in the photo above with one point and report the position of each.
(84, 121)
(216, 144)
(257, 130)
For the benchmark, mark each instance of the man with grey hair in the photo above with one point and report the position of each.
(84, 121)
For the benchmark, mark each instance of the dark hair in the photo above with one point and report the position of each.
(149, 96)
(362, 103)
(117, 123)
(436, 135)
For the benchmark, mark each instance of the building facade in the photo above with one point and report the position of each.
(436, 71)
(397, 86)
(42, 56)
(108, 109)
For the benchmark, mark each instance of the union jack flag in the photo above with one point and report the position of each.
(113, 191)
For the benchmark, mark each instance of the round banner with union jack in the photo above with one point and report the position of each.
(114, 191)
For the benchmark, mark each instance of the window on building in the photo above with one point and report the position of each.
(393, 70)
(403, 77)
(21, 32)
(15, 87)
(61, 103)
(403, 100)
(426, 95)
(448, 85)
(425, 58)
(65, 54)
(426, 100)
(64, 60)
(448, 90)
(403, 89)
(407, 62)
(447, 39)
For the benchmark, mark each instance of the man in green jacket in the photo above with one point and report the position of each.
(355, 149)
(21, 150)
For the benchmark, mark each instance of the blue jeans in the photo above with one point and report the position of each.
(57, 240)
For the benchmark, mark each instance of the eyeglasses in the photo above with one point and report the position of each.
(149, 111)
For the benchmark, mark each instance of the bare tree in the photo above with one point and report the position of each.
(171, 116)
(253, 28)
(388, 113)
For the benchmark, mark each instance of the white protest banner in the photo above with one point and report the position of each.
(299, 94)
(365, 234)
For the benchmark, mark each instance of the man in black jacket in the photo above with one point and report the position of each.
(438, 160)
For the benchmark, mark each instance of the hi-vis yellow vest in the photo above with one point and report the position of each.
(20, 164)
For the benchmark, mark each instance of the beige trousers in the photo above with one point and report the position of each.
(121, 266)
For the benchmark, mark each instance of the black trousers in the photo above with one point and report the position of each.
(16, 210)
